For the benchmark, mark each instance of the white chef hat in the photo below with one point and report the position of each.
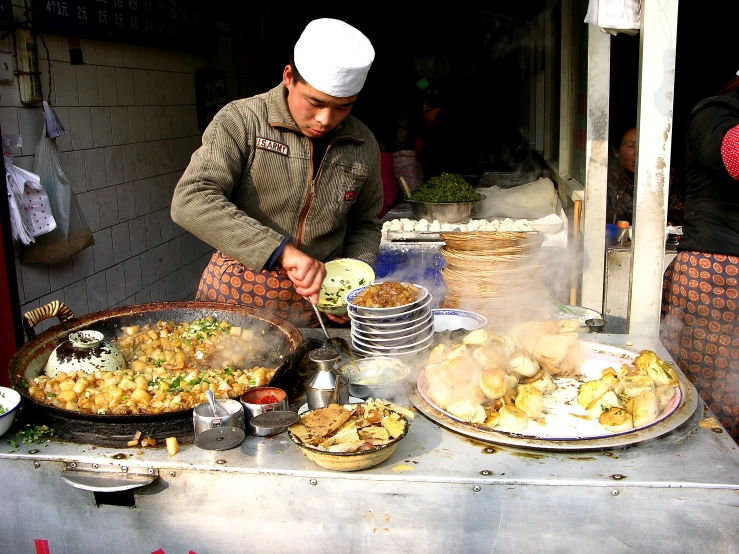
(333, 57)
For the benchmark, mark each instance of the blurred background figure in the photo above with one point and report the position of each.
(700, 304)
(621, 168)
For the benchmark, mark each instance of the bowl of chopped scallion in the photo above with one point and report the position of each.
(447, 198)
(342, 276)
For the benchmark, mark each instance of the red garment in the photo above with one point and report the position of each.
(730, 151)
(389, 185)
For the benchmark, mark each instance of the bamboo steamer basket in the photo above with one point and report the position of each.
(493, 241)
(482, 261)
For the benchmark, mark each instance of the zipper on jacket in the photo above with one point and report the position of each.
(300, 232)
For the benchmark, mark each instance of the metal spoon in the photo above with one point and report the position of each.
(337, 342)
(212, 401)
(320, 320)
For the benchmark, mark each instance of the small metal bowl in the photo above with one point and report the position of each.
(443, 212)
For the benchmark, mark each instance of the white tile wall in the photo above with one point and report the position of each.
(131, 127)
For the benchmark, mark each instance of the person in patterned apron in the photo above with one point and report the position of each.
(701, 296)
(287, 180)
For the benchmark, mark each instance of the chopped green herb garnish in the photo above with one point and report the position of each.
(33, 435)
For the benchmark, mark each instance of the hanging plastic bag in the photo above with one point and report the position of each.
(615, 16)
(30, 210)
(72, 233)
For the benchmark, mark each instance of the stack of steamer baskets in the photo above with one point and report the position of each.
(401, 330)
(496, 273)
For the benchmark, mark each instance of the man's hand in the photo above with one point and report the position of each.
(306, 273)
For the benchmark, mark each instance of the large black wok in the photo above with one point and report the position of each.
(116, 430)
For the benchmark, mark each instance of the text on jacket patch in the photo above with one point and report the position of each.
(266, 144)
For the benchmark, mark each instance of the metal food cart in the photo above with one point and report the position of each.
(439, 492)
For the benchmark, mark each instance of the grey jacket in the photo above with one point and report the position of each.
(248, 186)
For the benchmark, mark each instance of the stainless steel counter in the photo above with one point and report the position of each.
(439, 492)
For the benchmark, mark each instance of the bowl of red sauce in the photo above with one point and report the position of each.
(261, 400)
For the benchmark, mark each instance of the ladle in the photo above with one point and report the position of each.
(212, 401)
(337, 342)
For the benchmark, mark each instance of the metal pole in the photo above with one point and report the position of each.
(652, 177)
(596, 167)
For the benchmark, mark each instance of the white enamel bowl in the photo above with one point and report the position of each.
(342, 275)
(406, 340)
(391, 350)
(451, 320)
(403, 317)
(378, 332)
(10, 401)
(368, 325)
(362, 311)
(410, 356)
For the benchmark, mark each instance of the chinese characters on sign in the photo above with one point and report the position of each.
(163, 23)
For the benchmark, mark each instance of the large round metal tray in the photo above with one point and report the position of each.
(683, 412)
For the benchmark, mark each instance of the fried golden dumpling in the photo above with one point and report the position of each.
(468, 411)
(542, 381)
(644, 408)
(489, 357)
(435, 375)
(530, 400)
(468, 391)
(616, 420)
(512, 419)
(493, 383)
(603, 404)
(633, 385)
(441, 395)
(519, 362)
(664, 394)
(492, 419)
(458, 370)
(437, 354)
(590, 392)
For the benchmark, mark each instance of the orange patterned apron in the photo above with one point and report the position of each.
(228, 281)
(700, 328)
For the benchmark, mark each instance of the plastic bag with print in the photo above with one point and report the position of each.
(72, 233)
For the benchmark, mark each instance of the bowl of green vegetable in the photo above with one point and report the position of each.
(447, 198)
(342, 275)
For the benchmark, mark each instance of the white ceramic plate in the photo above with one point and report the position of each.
(564, 418)
(451, 320)
(418, 354)
(10, 400)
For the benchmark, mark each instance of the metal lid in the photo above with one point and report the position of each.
(323, 355)
(274, 420)
(596, 325)
(220, 438)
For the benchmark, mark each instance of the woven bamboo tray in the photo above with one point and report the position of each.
(482, 261)
(493, 241)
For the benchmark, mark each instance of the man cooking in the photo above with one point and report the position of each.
(286, 180)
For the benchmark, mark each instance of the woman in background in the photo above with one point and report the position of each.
(621, 168)
(700, 328)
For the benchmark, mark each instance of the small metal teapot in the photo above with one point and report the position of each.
(320, 387)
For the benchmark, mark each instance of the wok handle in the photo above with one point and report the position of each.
(36, 316)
